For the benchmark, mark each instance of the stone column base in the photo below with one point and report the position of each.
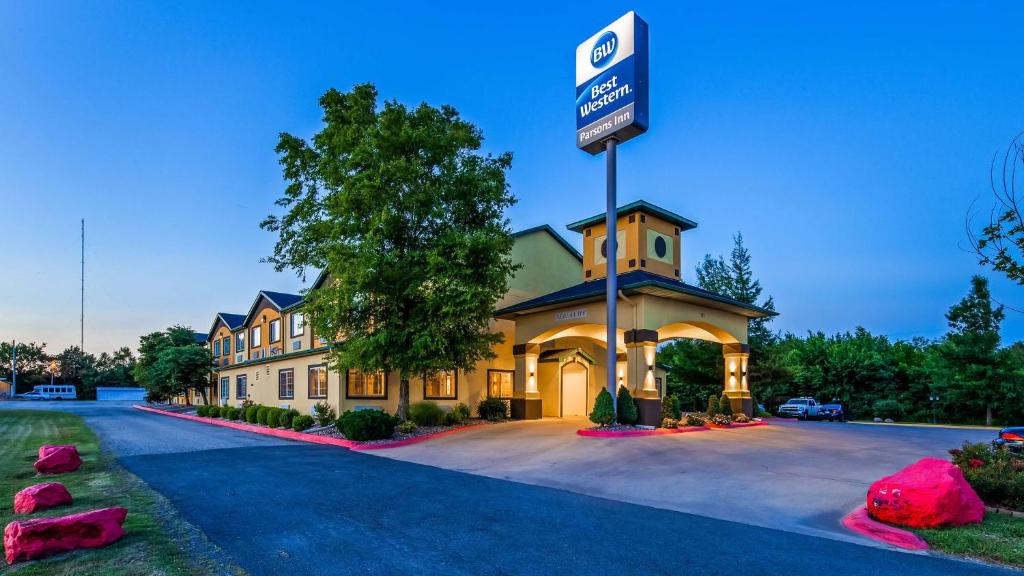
(526, 408)
(650, 411)
(741, 402)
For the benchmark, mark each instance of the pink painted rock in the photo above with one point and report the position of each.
(41, 497)
(38, 537)
(58, 459)
(927, 494)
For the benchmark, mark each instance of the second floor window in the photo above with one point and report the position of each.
(275, 331)
(216, 347)
(254, 335)
(227, 345)
(240, 342)
(286, 383)
(298, 326)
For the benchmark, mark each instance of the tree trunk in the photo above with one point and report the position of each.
(202, 392)
(403, 398)
(988, 415)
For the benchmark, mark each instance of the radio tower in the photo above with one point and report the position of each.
(81, 342)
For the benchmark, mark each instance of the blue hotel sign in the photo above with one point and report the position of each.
(611, 84)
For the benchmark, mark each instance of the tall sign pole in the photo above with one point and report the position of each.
(612, 107)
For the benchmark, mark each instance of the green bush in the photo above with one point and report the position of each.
(724, 406)
(286, 417)
(628, 413)
(261, 415)
(302, 422)
(360, 425)
(426, 413)
(251, 412)
(492, 409)
(234, 414)
(997, 475)
(202, 410)
(887, 409)
(604, 410)
(460, 413)
(694, 419)
(324, 414)
(669, 423)
(670, 408)
(713, 407)
(214, 412)
(273, 416)
(406, 426)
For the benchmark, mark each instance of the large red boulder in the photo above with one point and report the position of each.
(41, 497)
(927, 494)
(38, 537)
(58, 459)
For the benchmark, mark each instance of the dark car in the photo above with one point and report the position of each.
(1012, 439)
(832, 413)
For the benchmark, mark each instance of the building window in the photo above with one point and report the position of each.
(240, 387)
(275, 331)
(361, 385)
(298, 327)
(225, 388)
(216, 347)
(441, 385)
(286, 383)
(240, 342)
(227, 345)
(254, 335)
(318, 381)
(499, 383)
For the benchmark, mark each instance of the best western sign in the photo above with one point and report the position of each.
(611, 84)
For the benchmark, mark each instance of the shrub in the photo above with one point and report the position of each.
(492, 409)
(250, 413)
(407, 426)
(234, 414)
(694, 419)
(202, 410)
(273, 415)
(628, 413)
(360, 425)
(302, 422)
(741, 418)
(713, 406)
(426, 414)
(261, 415)
(669, 423)
(720, 420)
(245, 406)
(887, 409)
(604, 411)
(286, 417)
(997, 475)
(324, 414)
(460, 413)
(670, 407)
(215, 412)
(724, 406)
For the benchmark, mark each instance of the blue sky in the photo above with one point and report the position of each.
(846, 140)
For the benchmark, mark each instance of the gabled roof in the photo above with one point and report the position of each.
(232, 321)
(279, 300)
(545, 228)
(638, 281)
(638, 206)
(201, 338)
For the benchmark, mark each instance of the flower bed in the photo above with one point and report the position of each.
(997, 475)
(619, 431)
(399, 438)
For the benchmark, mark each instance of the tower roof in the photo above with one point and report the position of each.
(638, 206)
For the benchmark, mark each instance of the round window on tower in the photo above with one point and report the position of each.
(604, 248)
(660, 247)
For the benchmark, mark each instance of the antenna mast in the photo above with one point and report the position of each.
(82, 318)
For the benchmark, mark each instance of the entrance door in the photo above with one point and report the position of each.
(574, 390)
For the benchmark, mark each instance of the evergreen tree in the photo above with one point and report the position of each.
(724, 406)
(604, 410)
(628, 413)
(714, 407)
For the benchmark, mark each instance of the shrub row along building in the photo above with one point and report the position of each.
(552, 361)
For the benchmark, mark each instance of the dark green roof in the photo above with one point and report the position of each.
(638, 206)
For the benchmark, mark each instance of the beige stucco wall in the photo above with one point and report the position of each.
(547, 267)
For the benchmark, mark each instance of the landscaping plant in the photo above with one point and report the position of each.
(250, 413)
(460, 413)
(493, 409)
(286, 417)
(741, 418)
(272, 417)
(261, 415)
(997, 475)
(604, 410)
(302, 422)
(628, 413)
(694, 419)
(713, 406)
(670, 407)
(669, 423)
(324, 414)
(724, 406)
(407, 426)
(213, 412)
(234, 413)
(361, 425)
(426, 413)
(202, 410)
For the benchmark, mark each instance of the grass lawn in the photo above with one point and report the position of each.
(1000, 538)
(147, 546)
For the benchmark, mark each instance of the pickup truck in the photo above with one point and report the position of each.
(802, 408)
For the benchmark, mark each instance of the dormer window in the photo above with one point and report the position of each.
(240, 342)
(254, 335)
(298, 324)
(275, 330)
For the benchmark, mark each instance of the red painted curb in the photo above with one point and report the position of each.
(627, 433)
(860, 522)
(304, 437)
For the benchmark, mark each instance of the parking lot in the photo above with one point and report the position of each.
(790, 475)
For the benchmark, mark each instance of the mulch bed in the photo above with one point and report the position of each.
(420, 431)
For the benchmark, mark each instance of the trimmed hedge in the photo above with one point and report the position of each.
(360, 425)
(302, 422)
(492, 409)
(272, 417)
(202, 410)
(234, 413)
(286, 417)
(250, 413)
(426, 413)
(213, 412)
(261, 415)
(604, 410)
(628, 413)
(724, 406)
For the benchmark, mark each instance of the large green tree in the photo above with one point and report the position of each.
(170, 363)
(32, 360)
(970, 370)
(999, 242)
(407, 217)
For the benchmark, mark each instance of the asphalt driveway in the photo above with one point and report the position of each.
(798, 476)
(277, 507)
